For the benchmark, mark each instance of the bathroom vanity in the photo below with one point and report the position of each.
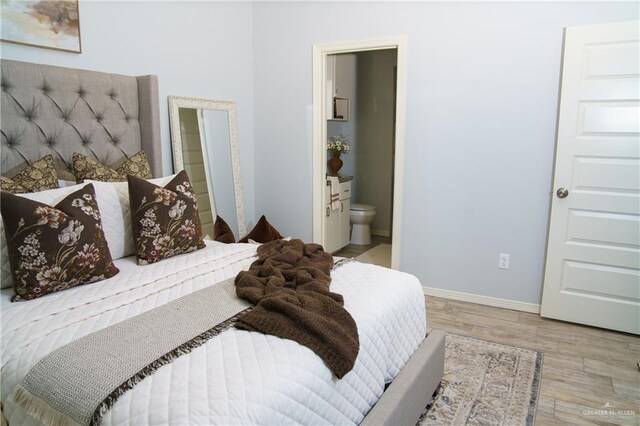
(336, 225)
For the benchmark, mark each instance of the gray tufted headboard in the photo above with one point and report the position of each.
(54, 110)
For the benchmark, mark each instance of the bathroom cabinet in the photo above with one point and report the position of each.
(336, 225)
(340, 85)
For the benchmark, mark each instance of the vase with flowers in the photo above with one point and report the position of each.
(337, 145)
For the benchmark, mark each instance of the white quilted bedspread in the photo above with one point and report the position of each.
(238, 377)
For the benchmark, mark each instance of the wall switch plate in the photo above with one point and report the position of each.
(503, 262)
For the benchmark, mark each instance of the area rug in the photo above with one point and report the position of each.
(379, 255)
(486, 383)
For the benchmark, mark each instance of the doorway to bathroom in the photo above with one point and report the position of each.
(359, 99)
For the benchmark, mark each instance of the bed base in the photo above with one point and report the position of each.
(410, 392)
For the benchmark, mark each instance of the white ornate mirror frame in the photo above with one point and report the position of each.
(177, 102)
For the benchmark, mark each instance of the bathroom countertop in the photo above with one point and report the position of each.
(344, 178)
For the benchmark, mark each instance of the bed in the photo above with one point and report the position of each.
(237, 377)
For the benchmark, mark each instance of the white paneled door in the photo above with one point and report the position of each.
(592, 271)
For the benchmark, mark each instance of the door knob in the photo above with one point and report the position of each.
(562, 192)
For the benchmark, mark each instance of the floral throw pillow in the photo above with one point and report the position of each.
(55, 248)
(11, 186)
(38, 176)
(86, 168)
(165, 220)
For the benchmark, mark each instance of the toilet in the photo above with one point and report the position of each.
(361, 216)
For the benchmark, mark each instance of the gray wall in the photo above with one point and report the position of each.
(374, 123)
(481, 114)
(200, 49)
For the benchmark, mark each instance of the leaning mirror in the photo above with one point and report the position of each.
(204, 140)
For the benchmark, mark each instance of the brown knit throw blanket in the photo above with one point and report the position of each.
(289, 284)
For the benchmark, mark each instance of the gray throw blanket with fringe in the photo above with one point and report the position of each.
(79, 382)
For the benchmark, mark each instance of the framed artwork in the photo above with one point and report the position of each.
(340, 109)
(49, 24)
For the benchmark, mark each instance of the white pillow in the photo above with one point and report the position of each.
(115, 212)
(50, 197)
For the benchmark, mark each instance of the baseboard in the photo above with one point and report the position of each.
(380, 232)
(483, 300)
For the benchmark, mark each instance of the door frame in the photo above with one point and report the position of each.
(320, 53)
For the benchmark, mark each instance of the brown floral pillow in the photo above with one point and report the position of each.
(165, 220)
(222, 231)
(55, 248)
(263, 232)
(85, 168)
(39, 176)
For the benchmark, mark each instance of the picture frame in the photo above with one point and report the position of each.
(46, 24)
(340, 109)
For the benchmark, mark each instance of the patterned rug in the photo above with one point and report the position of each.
(486, 383)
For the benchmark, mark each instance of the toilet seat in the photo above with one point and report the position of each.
(362, 207)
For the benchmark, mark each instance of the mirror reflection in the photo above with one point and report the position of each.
(215, 128)
(204, 142)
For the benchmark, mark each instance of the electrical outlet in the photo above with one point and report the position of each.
(503, 262)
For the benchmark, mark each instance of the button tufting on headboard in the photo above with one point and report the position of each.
(59, 111)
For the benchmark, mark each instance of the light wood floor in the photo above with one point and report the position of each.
(355, 250)
(584, 368)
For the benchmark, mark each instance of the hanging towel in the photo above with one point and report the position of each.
(335, 192)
